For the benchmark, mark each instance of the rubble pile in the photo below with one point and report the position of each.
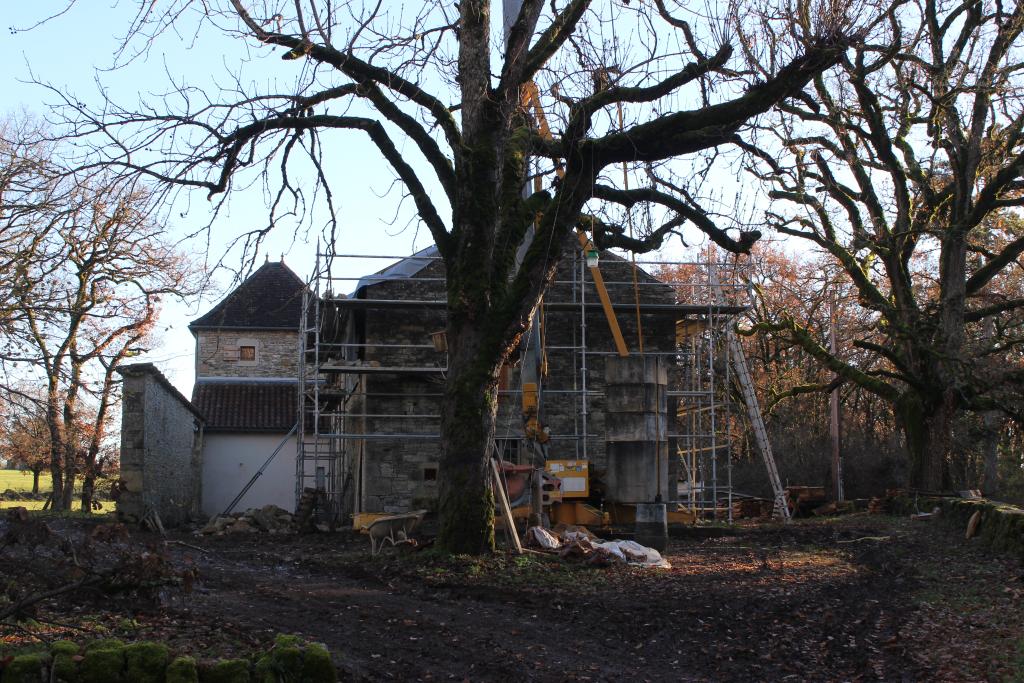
(573, 542)
(268, 519)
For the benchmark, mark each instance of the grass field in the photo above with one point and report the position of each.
(17, 480)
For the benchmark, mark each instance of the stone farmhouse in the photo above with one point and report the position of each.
(347, 397)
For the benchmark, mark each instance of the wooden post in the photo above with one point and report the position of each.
(837, 472)
(506, 509)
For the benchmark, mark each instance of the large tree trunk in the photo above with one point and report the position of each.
(70, 472)
(89, 478)
(54, 423)
(928, 428)
(36, 471)
(993, 428)
(467, 431)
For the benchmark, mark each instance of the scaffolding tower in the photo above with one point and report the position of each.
(337, 373)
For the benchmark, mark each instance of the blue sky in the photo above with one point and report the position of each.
(74, 51)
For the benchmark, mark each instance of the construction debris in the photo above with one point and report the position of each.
(571, 542)
(267, 519)
(926, 516)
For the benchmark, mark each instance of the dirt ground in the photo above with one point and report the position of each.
(854, 598)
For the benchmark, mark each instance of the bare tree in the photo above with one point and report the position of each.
(898, 164)
(25, 438)
(433, 81)
(85, 267)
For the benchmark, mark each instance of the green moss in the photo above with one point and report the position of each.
(287, 664)
(146, 662)
(283, 664)
(317, 666)
(103, 665)
(65, 647)
(182, 670)
(284, 640)
(264, 672)
(226, 671)
(65, 668)
(25, 669)
(105, 644)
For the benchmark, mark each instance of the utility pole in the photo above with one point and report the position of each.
(837, 466)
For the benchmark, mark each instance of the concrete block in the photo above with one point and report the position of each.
(652, 525)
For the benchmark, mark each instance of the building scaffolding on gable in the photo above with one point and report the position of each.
(370, 390)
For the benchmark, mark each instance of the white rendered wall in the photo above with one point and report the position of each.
(230, 461)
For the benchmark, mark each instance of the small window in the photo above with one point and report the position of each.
(429, 474)
(247, 353)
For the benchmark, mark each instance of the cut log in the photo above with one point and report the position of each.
(972, 525)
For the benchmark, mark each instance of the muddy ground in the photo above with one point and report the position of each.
(853, 598)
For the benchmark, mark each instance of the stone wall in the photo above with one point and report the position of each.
(399, 474)
(277, 353)
(161, 449)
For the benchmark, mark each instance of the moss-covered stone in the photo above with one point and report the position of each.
(317, 666)
(1001, 527)
(146, 662)
(182, 670)
(103, 665)
(67, 647)
(288, 664)
(25, 669)
(283, 664)
(64, 667)
(285, 640)
(105, 644)
(264, 670)
(225, 671)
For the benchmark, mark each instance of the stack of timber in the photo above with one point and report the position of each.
(802, 500)
(751, 508)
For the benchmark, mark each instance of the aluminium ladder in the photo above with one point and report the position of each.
(739, 362)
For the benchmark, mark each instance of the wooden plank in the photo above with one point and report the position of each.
(606, 302)
(506, 509)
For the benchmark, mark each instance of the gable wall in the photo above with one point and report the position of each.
(161, 452)
(277, 353)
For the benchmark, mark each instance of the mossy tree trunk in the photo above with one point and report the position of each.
(467, 431)
(928, 430)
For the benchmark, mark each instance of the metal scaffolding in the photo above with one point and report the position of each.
(339, 428)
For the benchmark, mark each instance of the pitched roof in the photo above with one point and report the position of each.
(247, 406)
(269, 299)
(403, 268)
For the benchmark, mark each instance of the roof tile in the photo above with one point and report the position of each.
(247, 406)
(271, 298)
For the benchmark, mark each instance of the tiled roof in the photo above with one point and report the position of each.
(270, 299)
(247, 406)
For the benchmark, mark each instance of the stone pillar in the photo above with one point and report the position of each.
(636, 429)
